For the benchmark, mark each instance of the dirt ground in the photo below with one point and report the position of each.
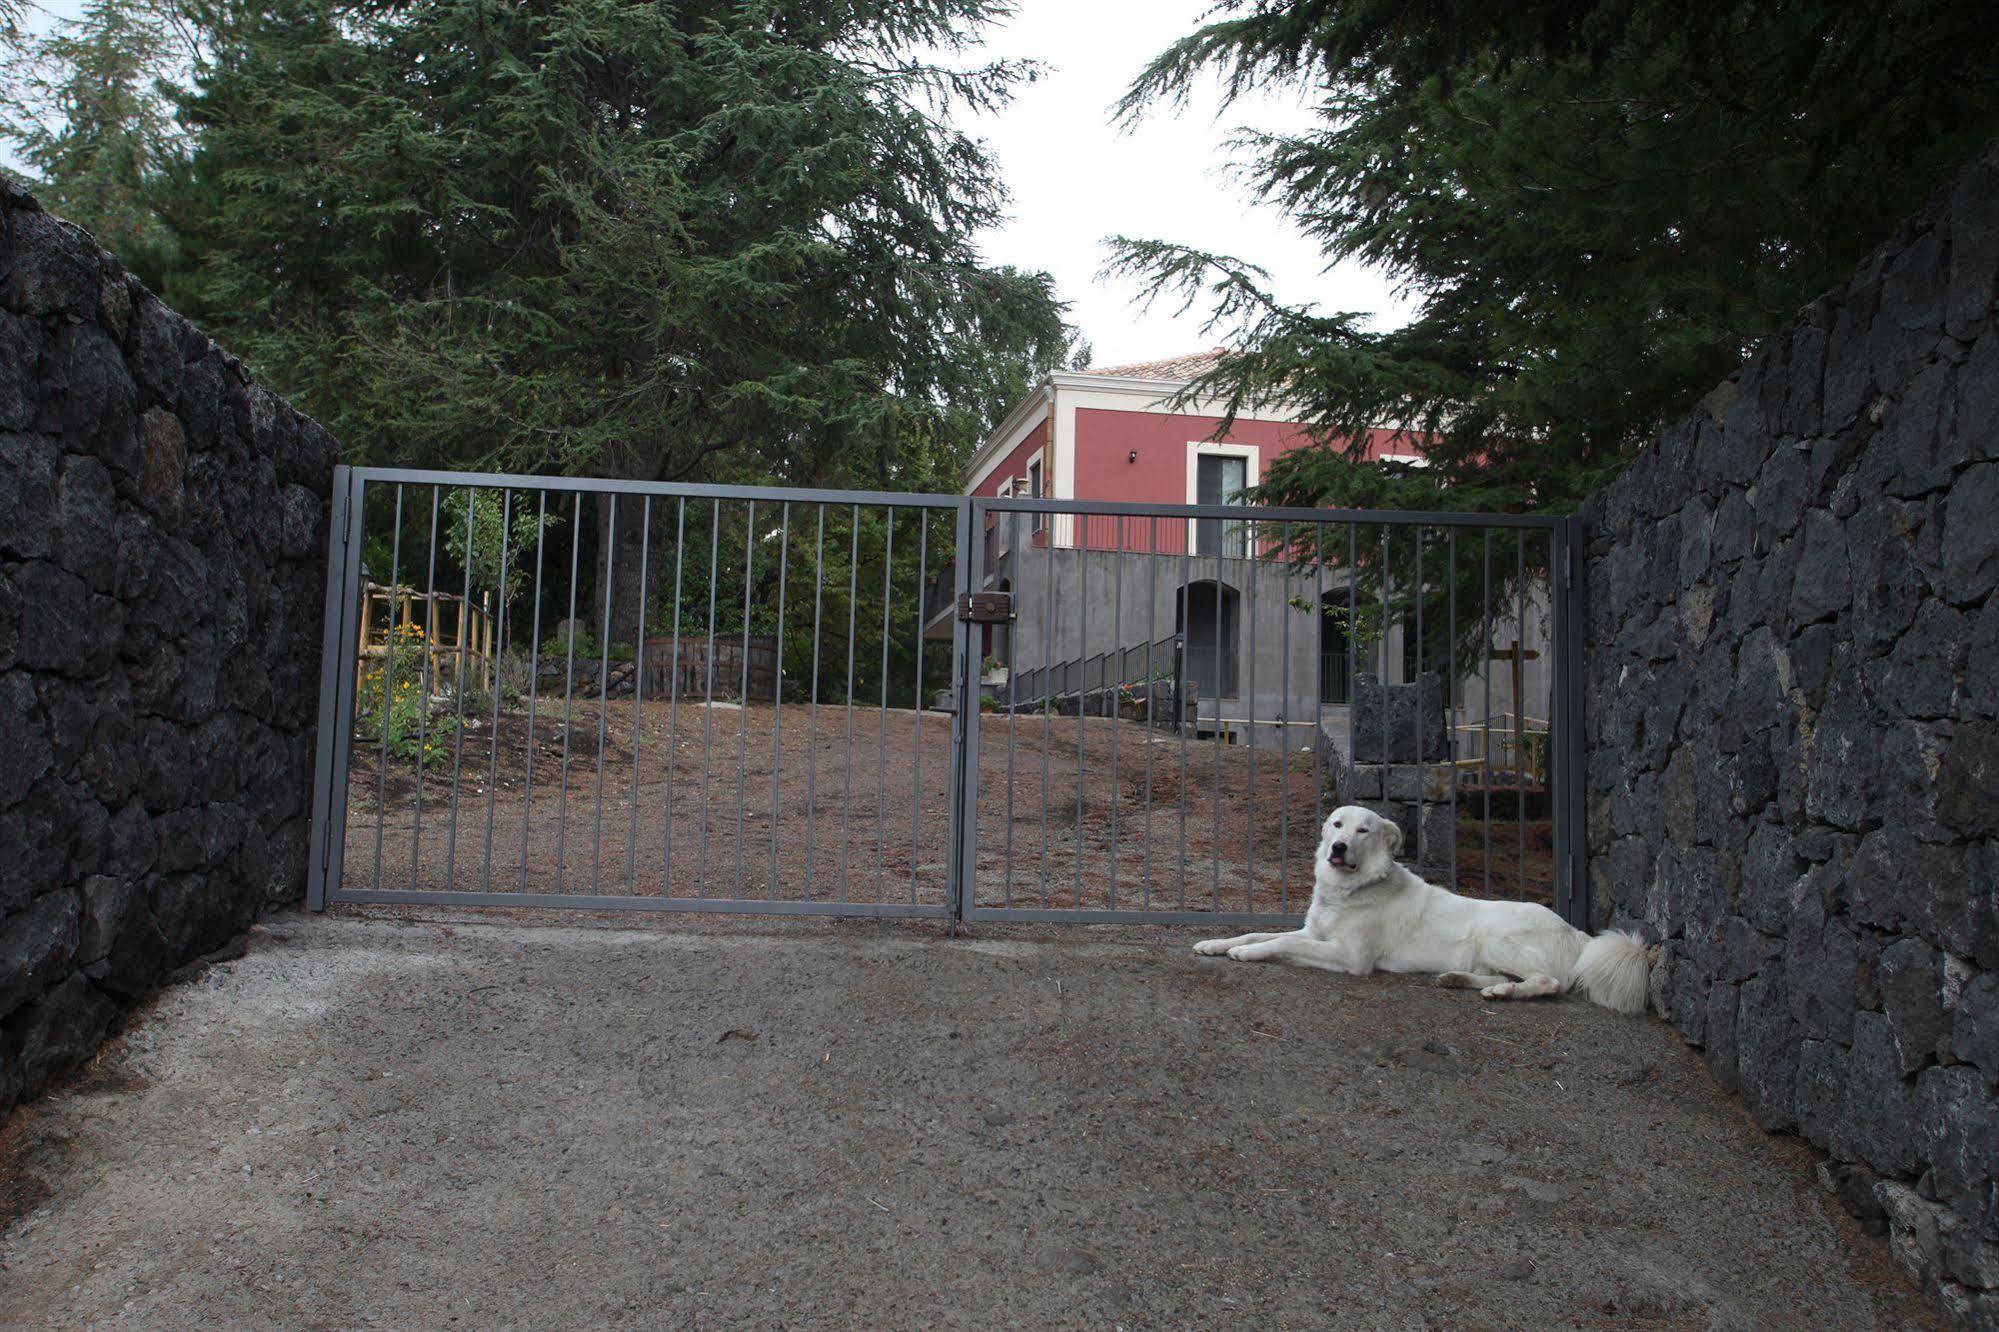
(813, 805)
(442, 1120)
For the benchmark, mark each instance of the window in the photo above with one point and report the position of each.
(1219, 479)
(1034, 492)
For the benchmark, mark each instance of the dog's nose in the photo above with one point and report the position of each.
(1339, 850)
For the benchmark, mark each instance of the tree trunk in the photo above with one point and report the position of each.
(630, 548)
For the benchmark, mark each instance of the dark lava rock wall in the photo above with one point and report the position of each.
(1793, 720)
(162, 546)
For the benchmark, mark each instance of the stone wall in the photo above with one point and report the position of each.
(1793, 719)
(162, 536)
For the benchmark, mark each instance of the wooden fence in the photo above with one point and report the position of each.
(691, 662)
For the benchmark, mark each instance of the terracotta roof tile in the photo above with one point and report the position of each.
(1186, 366)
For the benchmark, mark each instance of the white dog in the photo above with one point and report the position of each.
(1369, 913)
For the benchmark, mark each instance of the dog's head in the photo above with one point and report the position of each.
(1356, 847)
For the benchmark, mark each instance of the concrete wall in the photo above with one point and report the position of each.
(1793, 724)
(162, 533)
(1277, 647)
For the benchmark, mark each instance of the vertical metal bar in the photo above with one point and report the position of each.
(1451, 701)
(388, 684)
(1180, 690)
(812, 746)
(777, 689)
(1284, 726)
(568, 691)
(1151, 714)
(743, 697)
(1383, 680)
(423, 688)
(708, 698)
(604, 685)
(499, 655)
(1520, 705)
(1570, 771)
(639, 697)
(1353, 647)
(1012, 704)
(458, 693)
(673, 702)
(1215, 884)
(916, 779)
(1115, 686)
(965, 640)
(881, 750)
(847, 789)
(1251, 540)
(1485, 743)
(534, 682)
(345, 701)
(1082, 682)
(336, 675)
(1318, 693)
(1047, 697)
(1555, 781)
(1422, 706)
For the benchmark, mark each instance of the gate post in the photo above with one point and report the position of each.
(1568, 760)
(962, 864)
(336, 688)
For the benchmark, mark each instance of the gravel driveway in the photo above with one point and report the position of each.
(435, 1120)
(818, 804)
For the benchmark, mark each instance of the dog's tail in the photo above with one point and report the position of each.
(1614, 971)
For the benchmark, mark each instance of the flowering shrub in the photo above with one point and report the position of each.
(397, 706)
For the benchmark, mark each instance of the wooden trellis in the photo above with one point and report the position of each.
(454, 628)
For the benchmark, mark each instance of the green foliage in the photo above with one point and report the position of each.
(499, 534)
(1599, 209)
(585, 647)
(87, 106)
(1461, 595)
(718, 240)
(392, 706)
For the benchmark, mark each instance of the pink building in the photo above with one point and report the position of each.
(1110, 434)
(1261, 645)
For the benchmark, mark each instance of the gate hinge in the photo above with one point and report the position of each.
(986, 607)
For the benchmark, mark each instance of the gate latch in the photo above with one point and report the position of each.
(986, 607)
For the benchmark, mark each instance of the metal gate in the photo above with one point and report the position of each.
(1185, 692)
(555, 692)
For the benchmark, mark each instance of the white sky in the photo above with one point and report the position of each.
(1077, 180)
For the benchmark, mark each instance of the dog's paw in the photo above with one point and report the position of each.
(1503, 990)
(1456, 980)
(1255, 952)
(1211, 947)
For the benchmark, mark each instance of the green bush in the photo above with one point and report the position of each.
(391, 706)
(587, 648)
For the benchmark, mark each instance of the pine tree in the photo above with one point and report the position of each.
(713, 240)
(1599, 208)
(88, 110)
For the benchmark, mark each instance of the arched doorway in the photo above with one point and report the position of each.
(1206, 616)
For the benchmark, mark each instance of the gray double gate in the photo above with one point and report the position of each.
(553, 692)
